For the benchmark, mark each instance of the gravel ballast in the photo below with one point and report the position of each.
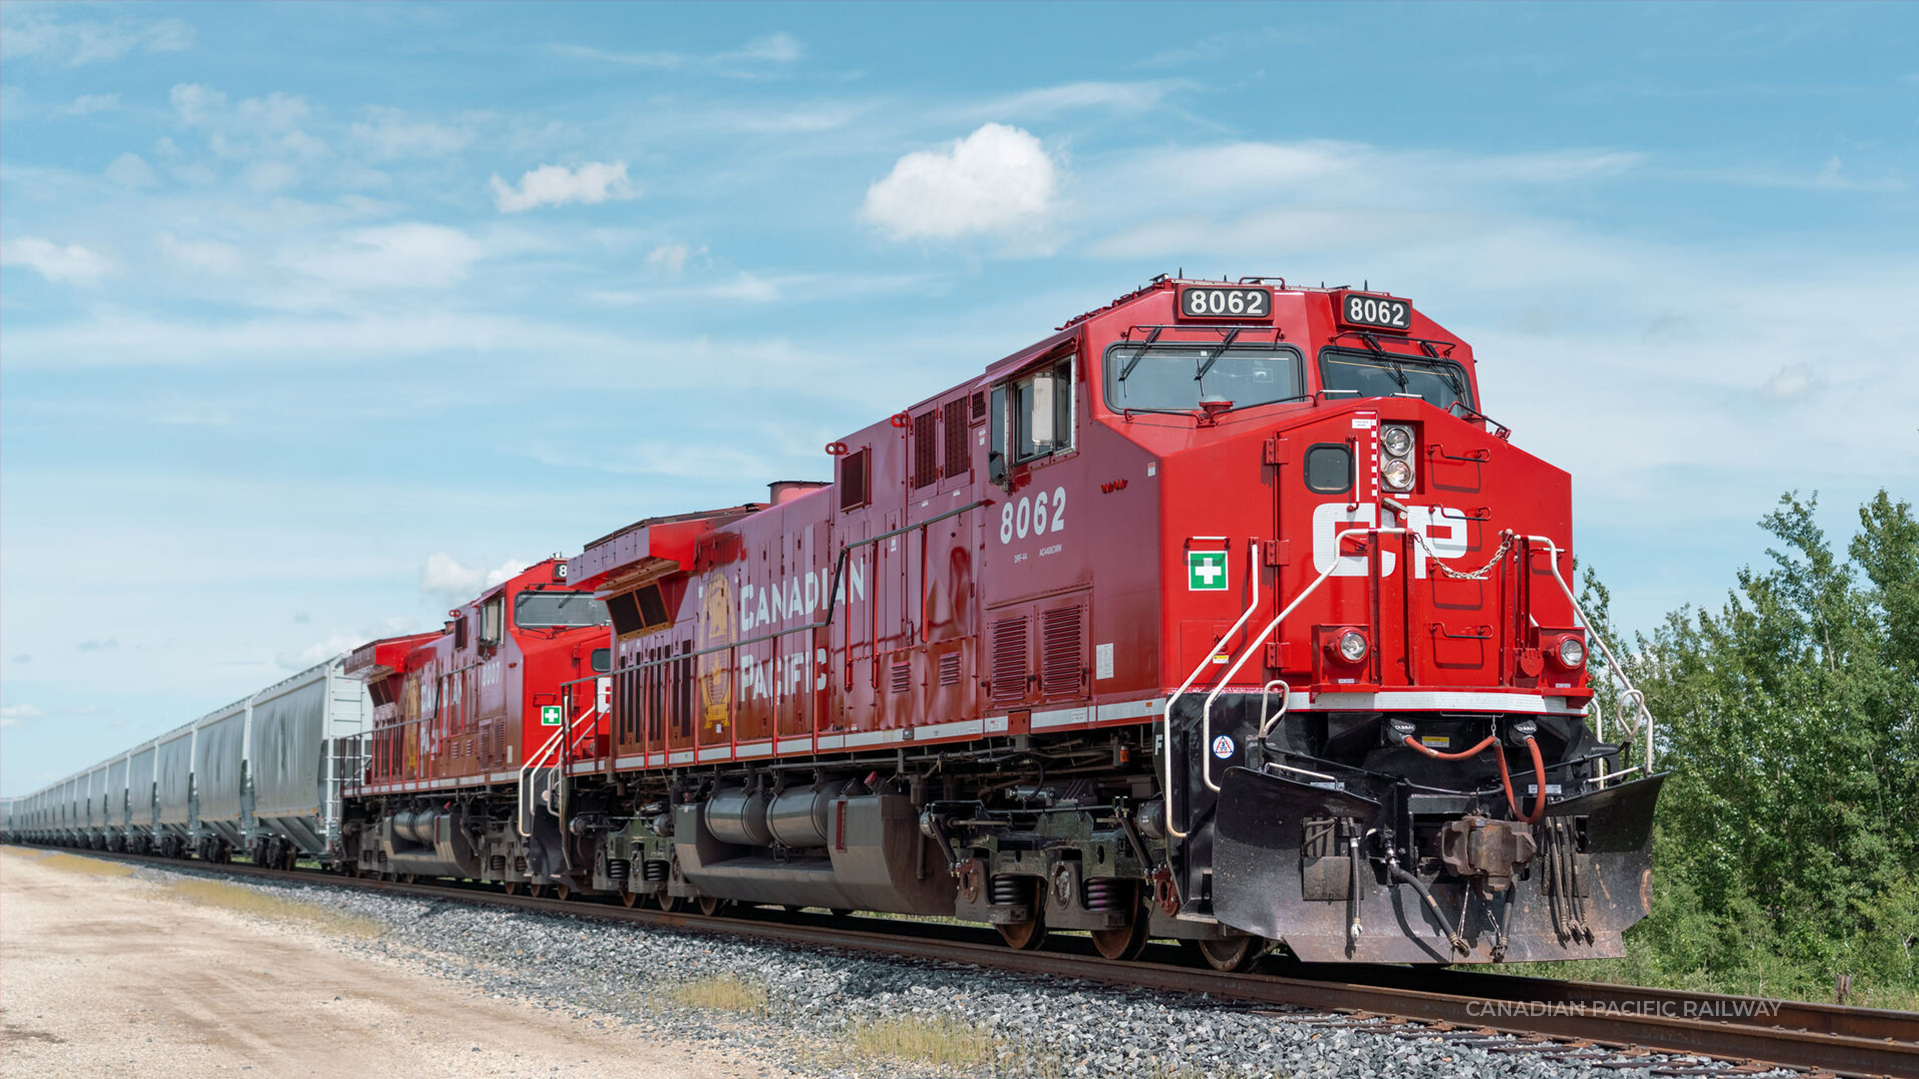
(814, 1009)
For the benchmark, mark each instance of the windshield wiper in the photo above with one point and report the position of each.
(1141, 354)
(1217, 353)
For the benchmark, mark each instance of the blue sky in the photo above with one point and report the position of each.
(312, 317)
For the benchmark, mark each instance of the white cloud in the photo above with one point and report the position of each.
(780, 48)
(269, 176)
(196, 105)
(13, 713)
(71, 264)
(391, 135)
(268, 125)
(556, 185)
(36, 33)
(274, 112)
(1791, 382)
(206, 256)
(130, 170)
(662, 61)
(90, 103)
(672, 257)
(1117, 96)
(995, 180)
(318, 652)
(446, 576)
(409, 255)
(776, 48)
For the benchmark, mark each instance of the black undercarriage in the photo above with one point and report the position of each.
(1331, 836)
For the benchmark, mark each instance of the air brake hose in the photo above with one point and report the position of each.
(1452, 936)
(1539, 779)
(1505, 776)
(1462, 755)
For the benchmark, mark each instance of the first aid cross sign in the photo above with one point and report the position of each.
(1206, 571)
(550, 715)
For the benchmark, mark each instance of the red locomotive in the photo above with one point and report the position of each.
(1223, 614)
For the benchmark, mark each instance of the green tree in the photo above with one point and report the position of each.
(1787, 842)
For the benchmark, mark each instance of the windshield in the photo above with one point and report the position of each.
(532, 610)
(1377, 374)
(1177, 377)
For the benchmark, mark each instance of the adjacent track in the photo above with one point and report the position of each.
(1582, 1019)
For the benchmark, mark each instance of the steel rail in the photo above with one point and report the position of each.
(1840, 1039)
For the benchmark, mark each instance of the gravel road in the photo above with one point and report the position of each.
(111, 975)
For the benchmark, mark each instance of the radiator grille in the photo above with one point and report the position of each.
(1009, 659)
(925, 448)
(1062, 651)
(853, 488)
(958, 461)
(950, 669)
(902, 677)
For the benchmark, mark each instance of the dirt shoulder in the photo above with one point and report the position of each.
(102, 974)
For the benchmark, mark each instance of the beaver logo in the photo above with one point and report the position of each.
(716, 668)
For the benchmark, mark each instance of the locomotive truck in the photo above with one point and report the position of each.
(1223, 614)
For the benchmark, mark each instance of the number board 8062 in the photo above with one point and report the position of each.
(1376, 312)
(1231, 302)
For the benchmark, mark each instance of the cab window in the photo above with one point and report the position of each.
(492, 613)
(1032, 417)
(1385, 374)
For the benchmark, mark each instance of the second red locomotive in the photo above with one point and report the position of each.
(1222, 614)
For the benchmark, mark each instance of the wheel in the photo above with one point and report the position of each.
(629, 899)
(670, 902)
(537, 891)
(1229, 955)
(562, 891)
(1025, 936)
(409, 878)
(710, 905)
(1126, 942)
(512, 887)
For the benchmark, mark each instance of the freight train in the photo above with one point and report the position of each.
(1223, 614)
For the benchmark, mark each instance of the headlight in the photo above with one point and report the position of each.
(1352, 646)
(1398, 441)
(1572, 652)
(1398, 474)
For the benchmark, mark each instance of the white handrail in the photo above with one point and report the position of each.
(535, 761)
(1253, 574)
(1285, 702)
(1206, 714)
(1633, 693)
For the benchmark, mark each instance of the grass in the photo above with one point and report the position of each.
(942, 1042)
(73, 863)
(216, 893)
(721, 993)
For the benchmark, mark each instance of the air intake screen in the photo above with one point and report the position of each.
(1062, 651)
(958, 461)
(854, 491)
(1009, 659)
(925, 448)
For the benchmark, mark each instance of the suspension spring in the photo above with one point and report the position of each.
(654, 872)
(497, 864)
(1008, 891)
(519, 867)
(617, 870)
(1103, 893)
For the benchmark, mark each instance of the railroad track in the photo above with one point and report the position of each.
(1601, 1025)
